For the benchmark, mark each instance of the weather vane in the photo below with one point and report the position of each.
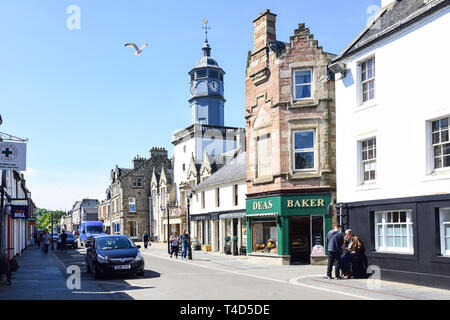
(205, 21)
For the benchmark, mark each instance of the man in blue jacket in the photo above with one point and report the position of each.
(335, 240)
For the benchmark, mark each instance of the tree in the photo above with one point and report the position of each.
(44, 218)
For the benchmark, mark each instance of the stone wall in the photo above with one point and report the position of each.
(271, 109)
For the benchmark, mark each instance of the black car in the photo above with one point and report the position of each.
(71, 241)
(114, 254)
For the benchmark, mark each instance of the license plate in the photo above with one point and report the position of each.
(122, 267)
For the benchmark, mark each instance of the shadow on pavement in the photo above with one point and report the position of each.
(109, 286)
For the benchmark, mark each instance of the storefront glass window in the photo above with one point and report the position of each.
(317, 235)
(265, 237)
(244, 233)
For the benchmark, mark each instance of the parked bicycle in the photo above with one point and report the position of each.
(5, 267)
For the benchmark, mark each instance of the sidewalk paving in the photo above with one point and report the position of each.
(42, 277)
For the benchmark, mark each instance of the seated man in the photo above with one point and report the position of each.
(350, 260)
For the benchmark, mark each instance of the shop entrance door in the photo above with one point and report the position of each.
(300, 235)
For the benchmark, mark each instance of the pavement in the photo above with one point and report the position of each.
(208, 276)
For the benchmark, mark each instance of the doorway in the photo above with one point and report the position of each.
(300, 234)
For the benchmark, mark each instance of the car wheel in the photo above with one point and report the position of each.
(141, 273)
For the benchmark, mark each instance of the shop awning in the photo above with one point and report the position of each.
(263, 215)
(232, 215)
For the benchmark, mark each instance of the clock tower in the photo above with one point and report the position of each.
(207, 101)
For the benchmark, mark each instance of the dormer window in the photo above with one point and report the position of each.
(201, 73)
(302, 84)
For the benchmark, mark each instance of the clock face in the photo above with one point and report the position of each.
(213, 86)
(192, 88)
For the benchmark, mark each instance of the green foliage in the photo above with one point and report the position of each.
(44, 218)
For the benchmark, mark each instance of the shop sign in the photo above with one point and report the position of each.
(288, 205)
(13, 156)
(305, 204)
(263, 205)
(19, 212)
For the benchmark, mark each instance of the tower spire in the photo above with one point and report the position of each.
(205, 21)
(206, 48)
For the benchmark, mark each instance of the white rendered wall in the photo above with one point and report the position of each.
(226, 199)
(412, 86)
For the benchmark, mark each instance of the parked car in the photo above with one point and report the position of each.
(114, 254)
(71, 241)
(54, 236)
(89, 230)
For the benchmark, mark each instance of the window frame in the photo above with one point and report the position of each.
(409, 232)
(135, 183)
(294, 151)
(217, 197)
(439, 144)
(235, 195)
(445, 252)
(295, 85)
(362, 162)
(361, 82)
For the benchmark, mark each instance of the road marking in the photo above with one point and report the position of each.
(295, 282)
(291, 281)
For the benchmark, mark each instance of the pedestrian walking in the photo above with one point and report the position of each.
(146, 239)
(185, 243)
(46, 242)
(38, 239)
(63, 238)
(335, 240)
(174, 243)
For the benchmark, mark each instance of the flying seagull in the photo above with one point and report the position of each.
(138, 51)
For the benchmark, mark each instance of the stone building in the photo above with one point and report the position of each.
(290, 135)
(130, 194)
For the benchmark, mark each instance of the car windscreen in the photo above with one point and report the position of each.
(94, 229)
(111, 243)
(70, 235)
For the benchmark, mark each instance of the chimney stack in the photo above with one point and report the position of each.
(264, 27)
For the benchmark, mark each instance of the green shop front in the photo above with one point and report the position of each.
(288, 229)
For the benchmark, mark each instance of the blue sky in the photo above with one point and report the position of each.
(86, 103)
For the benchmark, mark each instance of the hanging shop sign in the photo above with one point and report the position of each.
(13, 156)
(19, 212)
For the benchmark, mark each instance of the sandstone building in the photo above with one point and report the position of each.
(290, 136)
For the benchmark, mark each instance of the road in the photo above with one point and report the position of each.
(211, 277)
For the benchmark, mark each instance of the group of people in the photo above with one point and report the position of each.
(45, 238)
(347, 252)
(42, 237)
(175, 241)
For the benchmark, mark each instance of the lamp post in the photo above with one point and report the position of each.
(189, 196)
(168, 226)
(52, 232)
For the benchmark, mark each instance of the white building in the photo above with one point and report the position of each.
(393, 147)
(218, 208)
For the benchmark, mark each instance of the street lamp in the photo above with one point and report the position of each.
(52, 232)
(189, 196)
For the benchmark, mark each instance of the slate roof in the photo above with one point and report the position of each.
(391, 19)
(235, 169)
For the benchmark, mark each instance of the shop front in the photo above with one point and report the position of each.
(288, 229)
(234, 226)
(205, 231)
